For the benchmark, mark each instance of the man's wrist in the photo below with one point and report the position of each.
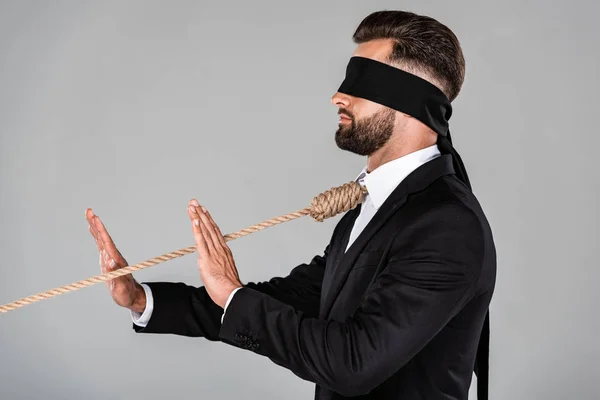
(223, 302)
(139, 302)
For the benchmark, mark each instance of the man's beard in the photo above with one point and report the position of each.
(366, 135)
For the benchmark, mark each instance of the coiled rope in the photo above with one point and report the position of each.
(327, 204)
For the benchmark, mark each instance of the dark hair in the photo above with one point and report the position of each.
(420, 43)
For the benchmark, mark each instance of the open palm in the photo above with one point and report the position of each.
(125, 290)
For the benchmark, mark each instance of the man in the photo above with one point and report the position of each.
(395, 306)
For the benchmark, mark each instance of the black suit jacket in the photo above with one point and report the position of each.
(397, 316)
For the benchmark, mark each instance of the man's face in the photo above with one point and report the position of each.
(364, 126)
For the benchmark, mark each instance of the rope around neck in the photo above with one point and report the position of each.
(327, 204)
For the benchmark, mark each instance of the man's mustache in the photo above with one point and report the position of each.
(345, 115)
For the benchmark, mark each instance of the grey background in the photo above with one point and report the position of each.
(134, 107)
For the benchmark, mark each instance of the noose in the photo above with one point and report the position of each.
(327, 204)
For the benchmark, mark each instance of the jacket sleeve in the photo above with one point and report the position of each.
(414, 296)
(189, 311)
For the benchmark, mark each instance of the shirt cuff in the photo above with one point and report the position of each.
(228, 301)
(141, 319)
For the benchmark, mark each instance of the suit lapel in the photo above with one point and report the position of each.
(339, 243)
(342, 262)
(345, 261)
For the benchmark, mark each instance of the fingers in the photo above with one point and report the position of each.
(89, 215)
(94, 233)
(214, 229)
(109, 255)
(92, 228)
(109, 246)
(209, 228)
(107, 264)
(199, 238)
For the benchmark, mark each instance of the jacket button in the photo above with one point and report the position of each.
(254, 345)
(237, 337)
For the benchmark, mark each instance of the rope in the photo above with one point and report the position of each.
(325, 205)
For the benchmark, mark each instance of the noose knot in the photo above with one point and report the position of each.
(337, 200)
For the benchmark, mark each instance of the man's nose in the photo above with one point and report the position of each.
(340, 99)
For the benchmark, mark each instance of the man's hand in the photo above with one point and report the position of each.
(215, 261)
(124, 290)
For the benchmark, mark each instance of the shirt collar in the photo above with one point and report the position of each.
(382, 181)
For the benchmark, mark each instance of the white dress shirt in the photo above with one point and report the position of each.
(380, 183)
